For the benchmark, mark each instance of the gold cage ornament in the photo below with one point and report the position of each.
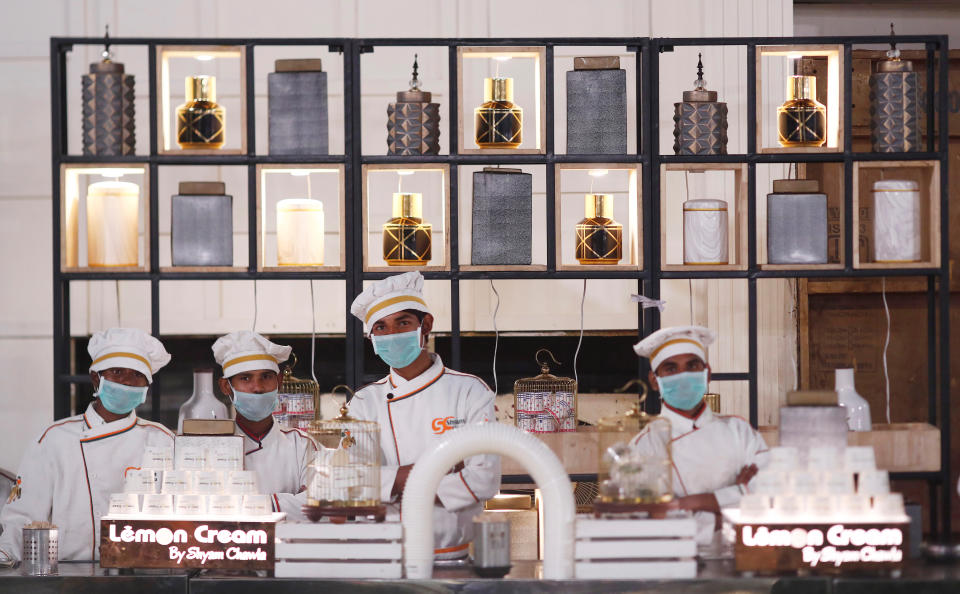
(299, 399)
(636, 462)
(545, 403)
(343, 480)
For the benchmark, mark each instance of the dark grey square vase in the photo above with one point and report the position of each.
(502, 217)
(201, 226)
(297, 109)
(597, 112)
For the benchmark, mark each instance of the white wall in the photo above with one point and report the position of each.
(910, 17)
(25, 234)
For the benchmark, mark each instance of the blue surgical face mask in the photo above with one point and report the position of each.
(398, 350)
(255, 407)
(120, 399)
(683, 391)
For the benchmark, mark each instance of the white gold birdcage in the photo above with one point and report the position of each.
(545, 403)
(636, 463)
(299, 399)
(344, 477)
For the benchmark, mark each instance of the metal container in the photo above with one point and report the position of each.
(40, 549)
(491, 545)
(109, 127)
(201, 226)
(705, 232)
(896, 221)
(700, 121)
(894, 104)
(796, 223)
(297, 108)
(597, 107)
(502, 217)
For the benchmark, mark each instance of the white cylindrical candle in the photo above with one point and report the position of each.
(705, 232)
(896, 221)
(113, 212)
(300, 232)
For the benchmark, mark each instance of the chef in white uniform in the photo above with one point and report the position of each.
(69, 471)
(714, 456)
(418, 403)
(251, 379)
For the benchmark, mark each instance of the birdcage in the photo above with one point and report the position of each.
(545, 403)
(636, 465)
(344, 478)
(299, 399)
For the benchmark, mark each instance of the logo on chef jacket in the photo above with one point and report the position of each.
(15, 490)
(441, 425)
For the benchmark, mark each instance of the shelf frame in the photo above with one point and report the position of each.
(647, 156)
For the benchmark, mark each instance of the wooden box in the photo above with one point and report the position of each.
(534, 116)
(736, 214)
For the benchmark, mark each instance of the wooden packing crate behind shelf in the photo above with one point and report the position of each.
(899, 447)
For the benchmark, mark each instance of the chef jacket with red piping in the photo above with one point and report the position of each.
(414, 416)
(281, 459)
(709, 450)
(68, 474)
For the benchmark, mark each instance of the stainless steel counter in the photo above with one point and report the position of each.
(713, 577)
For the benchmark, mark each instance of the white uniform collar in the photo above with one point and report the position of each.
(402, 387)
(97, 427)
(680, 424)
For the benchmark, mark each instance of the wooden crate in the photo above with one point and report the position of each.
(351, 550)
(635, 548)
(832, 96)
(538, 125)
(736, 213)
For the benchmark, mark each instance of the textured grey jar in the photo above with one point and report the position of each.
(895, 107)
(596, 108)
(297, 108)
(700, 121)
(201, 226)
(796, 223)
(109, 128)
(502, 217)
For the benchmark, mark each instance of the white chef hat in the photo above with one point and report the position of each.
(388, 296)
(130, 348)
(677, 340)
(248, 351)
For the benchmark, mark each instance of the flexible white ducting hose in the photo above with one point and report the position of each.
(489, 438)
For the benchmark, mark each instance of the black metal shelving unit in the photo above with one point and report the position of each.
(647, 53)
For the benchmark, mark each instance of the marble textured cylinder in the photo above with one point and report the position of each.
(300, 232)
(113, 220)
(597, 107)
(297, 108)
(796, 223)
(109, 127)
(705, 232)
(201, 225)
(502, 221)
(896, 221)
